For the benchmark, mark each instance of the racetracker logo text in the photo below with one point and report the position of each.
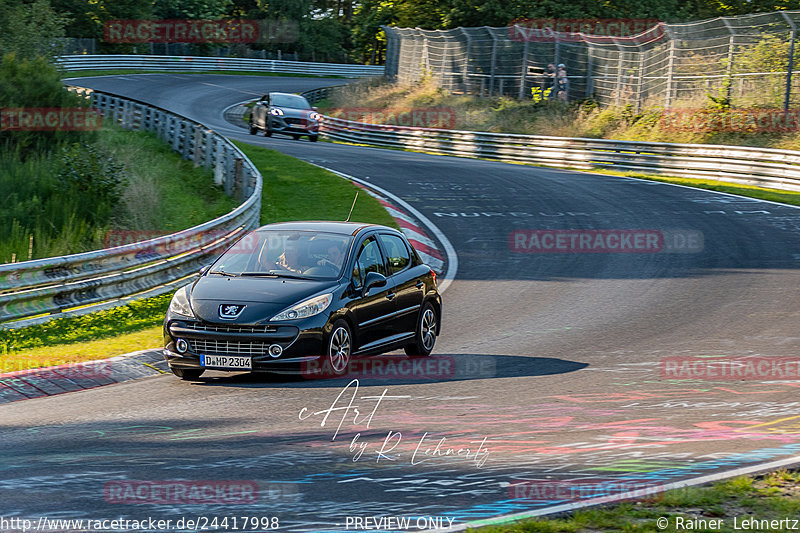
(181, 31)
(177, 492)
(50, 119)
(425, 117)
(730, 368)
(632, 31)
(596, 241)
(579, 489)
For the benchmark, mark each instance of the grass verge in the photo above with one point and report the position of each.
(296, 190)
(293, 190)
(773, 496)
(123, 329)
(122, 72)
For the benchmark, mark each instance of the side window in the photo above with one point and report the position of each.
(369, 260)
(397, 253)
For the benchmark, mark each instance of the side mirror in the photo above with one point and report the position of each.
(314, 108)
(373, 279)
(204, 270)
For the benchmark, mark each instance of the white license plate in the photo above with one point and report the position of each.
(226, 361)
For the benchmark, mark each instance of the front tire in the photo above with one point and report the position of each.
(313, 138)
(188, 374)
(296, 137)
(425, 337)
(340, 348)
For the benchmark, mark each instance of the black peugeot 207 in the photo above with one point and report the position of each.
(304, 297)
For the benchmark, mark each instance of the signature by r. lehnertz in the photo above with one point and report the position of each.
(426, 448)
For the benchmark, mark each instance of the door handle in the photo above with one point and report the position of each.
(419, 284)
(390, 296)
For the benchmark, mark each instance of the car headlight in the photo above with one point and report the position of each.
(180, 303)
(313, 116)
(306, 308)
(275, 111)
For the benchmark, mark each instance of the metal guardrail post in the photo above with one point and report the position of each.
(238, 177)
(198, 142)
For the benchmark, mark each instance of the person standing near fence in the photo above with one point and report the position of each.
(562, 82)
(552, 83)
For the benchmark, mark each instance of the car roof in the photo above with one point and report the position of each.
(342, 228)
(285, 94)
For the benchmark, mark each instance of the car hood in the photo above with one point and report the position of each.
(262, 298)
(296, 113)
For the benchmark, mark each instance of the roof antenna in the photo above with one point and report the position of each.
(352, 207)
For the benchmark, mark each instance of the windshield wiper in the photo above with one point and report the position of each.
(274, 274)
(223, 273)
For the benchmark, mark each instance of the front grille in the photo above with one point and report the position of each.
(215, 347)
(232, 328)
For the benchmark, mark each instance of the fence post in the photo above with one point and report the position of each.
(670, 70)
(466, 60)
(790, 65)
(589, 68)
(494, 62)
(619, 76)
(524, 77)
(641, 81)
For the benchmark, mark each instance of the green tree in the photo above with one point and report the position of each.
(191, 9)
(30, 29)
(35, 83)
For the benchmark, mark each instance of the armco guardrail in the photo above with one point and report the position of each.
(778, 169)
(54, 284)
(190, 63)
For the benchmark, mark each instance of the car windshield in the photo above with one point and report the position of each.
(291, 254)
(289, 100)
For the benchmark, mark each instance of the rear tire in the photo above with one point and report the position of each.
(313, 138)
(296, 137)
(253, 128)
(188, 374)
(425, 336)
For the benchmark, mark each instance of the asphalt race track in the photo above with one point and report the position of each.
(552, 369)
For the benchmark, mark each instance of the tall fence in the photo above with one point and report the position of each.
(749, 59)
(80, 283)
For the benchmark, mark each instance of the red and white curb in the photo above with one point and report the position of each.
(422, 243)
(441, 256)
